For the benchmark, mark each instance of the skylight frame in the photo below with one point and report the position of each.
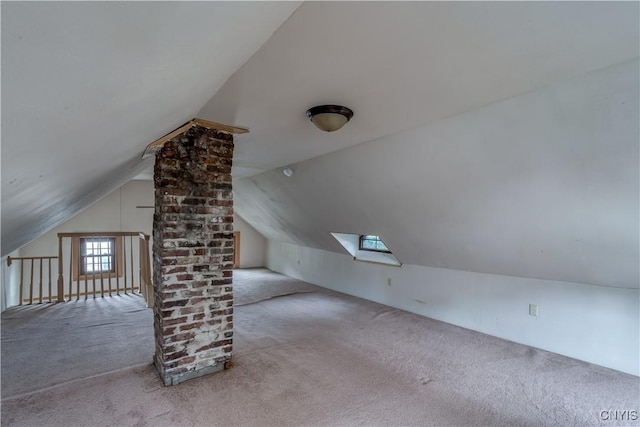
(350, 242)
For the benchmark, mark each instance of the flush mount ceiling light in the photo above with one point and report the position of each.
(329, 118)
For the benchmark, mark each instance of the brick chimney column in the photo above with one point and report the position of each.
(193, 255)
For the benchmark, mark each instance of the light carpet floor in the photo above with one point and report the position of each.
(303, 355)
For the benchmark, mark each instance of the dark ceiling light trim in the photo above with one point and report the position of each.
(329, 118)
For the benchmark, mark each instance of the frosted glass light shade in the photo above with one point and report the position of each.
(329, 122)
(329, 118)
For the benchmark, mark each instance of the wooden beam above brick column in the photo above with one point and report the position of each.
(158, 143)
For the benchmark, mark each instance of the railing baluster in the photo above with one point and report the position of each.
(140, 264)
(101, 279)
(31, 285)
(124, 258)
(78, 281)
(109, 273)
(71, 273)
(131, 253)
(93, 275)
(40, 280)
(148, 294)
(21, 280)
(117, 261)
(60, 272)
(50, 299)
(78, 251)
(86, 287)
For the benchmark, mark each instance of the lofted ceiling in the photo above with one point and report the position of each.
(87, 85)
(473, 122)
(399, 65)
(489, 137)
(544, 185)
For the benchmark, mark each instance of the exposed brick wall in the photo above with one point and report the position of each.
(193, 255)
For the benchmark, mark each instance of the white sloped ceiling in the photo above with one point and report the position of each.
(399, 65)
(87, 85)
(493, 137)
(544, 185)
(497, 137)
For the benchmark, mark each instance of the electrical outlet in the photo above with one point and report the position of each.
(533, 310)
(389, 281)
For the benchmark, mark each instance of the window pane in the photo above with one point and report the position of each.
(369, 244)
(106, 263)
(372, 243)
(97, 255)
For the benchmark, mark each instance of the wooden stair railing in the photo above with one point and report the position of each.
(40, 263)
(126, 261)
(129, 269)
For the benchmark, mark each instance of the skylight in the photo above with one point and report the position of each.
(367, 247)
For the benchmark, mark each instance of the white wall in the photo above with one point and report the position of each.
(596, 324)
(115, 212)
(253, 245)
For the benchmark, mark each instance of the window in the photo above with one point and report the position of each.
(97, 255)
(372, 243)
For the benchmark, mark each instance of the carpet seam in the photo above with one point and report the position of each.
(275, 296)
(29, 393)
